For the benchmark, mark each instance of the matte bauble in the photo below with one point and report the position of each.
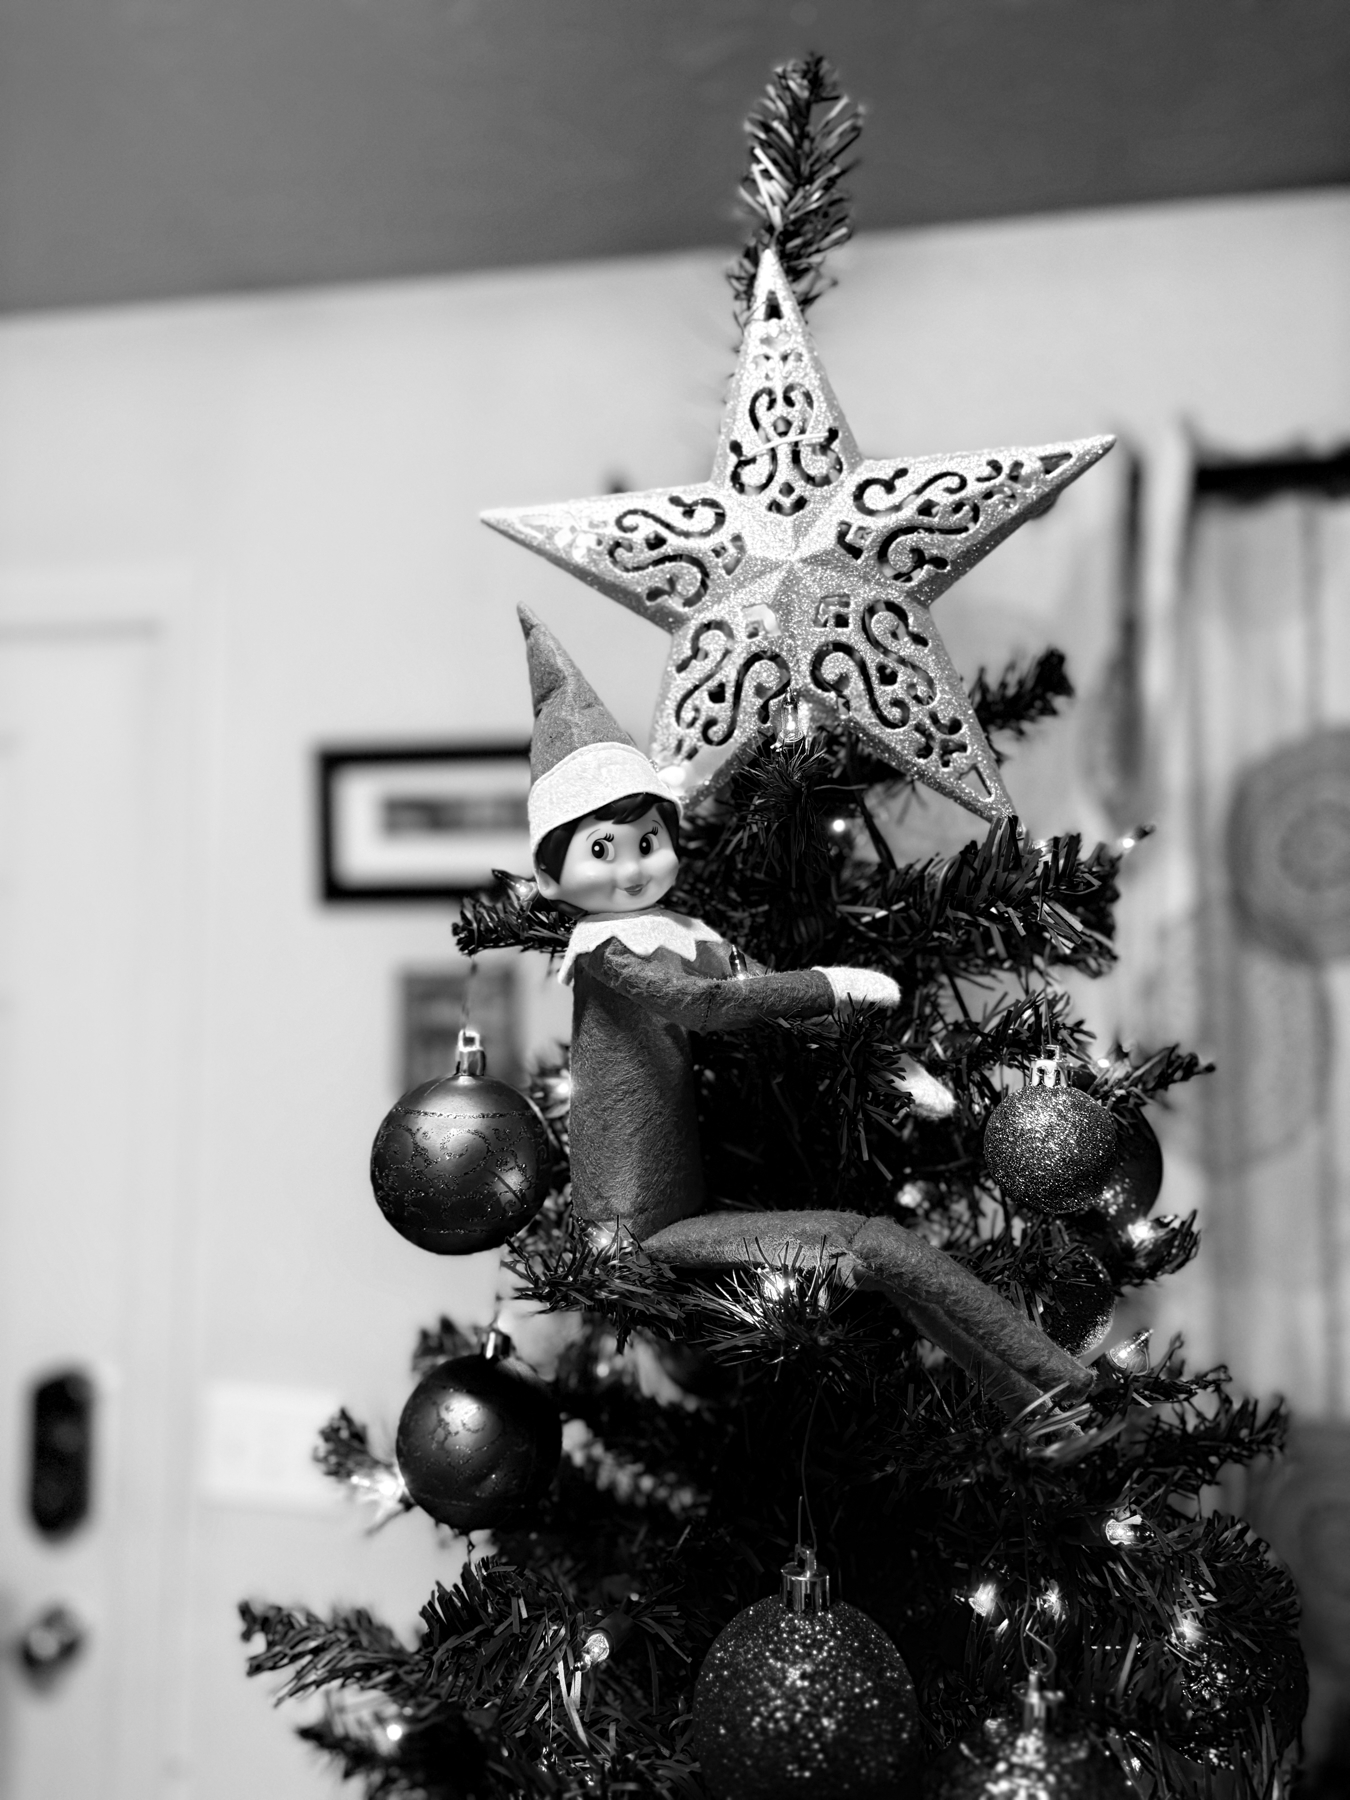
(1049, 1146)
(1001, 1761)
(1077, 1312)
(479, 1439)
(813, 1702)
(1129, 1191)
(461, 1164)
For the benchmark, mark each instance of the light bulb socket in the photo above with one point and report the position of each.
(608, 1637)
(806, 1588)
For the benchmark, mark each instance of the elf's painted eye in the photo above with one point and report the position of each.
(602, 849)
(647, 843)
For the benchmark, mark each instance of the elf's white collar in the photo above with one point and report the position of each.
(644, 933)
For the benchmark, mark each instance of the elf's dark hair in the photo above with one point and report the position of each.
(553, 845)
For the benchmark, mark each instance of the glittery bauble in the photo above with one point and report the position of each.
(799, 577)
(1217, 1687)
(478, 1441)
(1077, 1313)
(816, 1705)
(1050, 1148)
(460, 1164)
(1129, 1191)
(1003, 1761)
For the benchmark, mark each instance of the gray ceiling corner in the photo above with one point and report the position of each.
(159, 148)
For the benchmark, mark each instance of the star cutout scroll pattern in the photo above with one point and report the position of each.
(799, 578)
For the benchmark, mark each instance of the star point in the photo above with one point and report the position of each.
(803, 574)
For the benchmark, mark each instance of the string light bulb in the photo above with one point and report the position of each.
(381, 1487)
(608, 1636)
(1051, 1600)
(984, 1600)
(1131, 1356)
(1132, 839)
(1122, 1530)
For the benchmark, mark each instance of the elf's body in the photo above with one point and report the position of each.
(604, 834)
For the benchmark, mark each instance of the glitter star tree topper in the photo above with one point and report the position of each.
(797, 582)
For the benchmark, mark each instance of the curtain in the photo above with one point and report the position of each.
(1236, 929)
(1235, 940)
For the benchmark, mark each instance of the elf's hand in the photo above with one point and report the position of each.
(864, 987)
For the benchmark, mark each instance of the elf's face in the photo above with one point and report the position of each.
(614, 868)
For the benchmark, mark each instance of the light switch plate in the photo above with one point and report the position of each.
(257, 1446)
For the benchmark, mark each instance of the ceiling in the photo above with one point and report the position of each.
(157, 148)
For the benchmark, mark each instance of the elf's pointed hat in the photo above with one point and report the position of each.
(580, 758)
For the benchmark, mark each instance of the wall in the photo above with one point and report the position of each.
(312, 465)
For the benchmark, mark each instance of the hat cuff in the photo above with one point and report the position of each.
(587, 778)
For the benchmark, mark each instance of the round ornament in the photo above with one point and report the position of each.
(1077, 1313)
(1216, 1685)
(479, 1438)
(461, 1163)
(798, 1697)
(1132, 1187)
(999, 1761)
(1049, 1147)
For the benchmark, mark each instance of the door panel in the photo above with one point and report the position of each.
(76, 725)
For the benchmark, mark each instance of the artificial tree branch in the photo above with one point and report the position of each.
(801, 132)
(1015, 1361)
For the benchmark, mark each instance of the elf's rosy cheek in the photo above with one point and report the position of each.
(661, 867)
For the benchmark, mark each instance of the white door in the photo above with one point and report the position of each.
(87, 1231)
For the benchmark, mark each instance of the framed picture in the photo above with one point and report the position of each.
(425, 823)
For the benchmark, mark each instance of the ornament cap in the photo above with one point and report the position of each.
(496, 1345)
(1037, 1702)
(470, 1056)
(806, 1588)
(1048, 1071)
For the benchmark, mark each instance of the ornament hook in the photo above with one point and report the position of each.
(1038, 1701)
(1040, 1660)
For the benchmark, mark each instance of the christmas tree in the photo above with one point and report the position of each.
(832, 1300)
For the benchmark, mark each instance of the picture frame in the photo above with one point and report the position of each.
(409, 823)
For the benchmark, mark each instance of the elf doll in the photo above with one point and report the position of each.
(605, 838)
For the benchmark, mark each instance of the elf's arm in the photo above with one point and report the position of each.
(703, 1003)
